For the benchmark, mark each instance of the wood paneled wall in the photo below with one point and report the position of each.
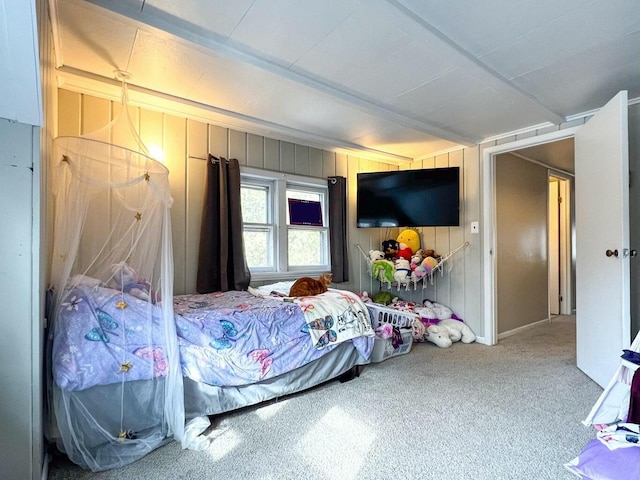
(186, 144)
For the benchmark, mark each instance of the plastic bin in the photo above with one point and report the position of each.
(381, 314)
(383, 349)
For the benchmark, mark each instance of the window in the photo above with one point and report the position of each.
(285, 224)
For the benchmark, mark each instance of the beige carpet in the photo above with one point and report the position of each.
(511, 411)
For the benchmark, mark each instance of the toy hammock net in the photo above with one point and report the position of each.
(111, 316)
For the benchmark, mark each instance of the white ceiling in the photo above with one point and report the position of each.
(402, 78)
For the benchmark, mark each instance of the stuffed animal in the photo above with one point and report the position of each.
(404, 251)
(418, 330)
(364, 296)
(410, 238)
(402, 273)
(448, 331)
(458, 330)
(418, 272)
(126, 280)
(390, 248)
(383, 271)
(383, 298)
(438, 336)
(429, 263)
(376, 255)
(432, 312)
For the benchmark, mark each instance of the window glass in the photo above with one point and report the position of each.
(272, 245)
(306, 247)
(258, 248)
(255, 208)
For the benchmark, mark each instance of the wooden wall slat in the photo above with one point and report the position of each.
(175, 149)
(255, 151)
(287, 157)
(271, 154)
(196, 182)
(238, 146)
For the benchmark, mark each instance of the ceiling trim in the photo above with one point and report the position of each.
(549, 114)
(109, 88)
(366, 105)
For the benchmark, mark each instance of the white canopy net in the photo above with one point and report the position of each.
(115, 379)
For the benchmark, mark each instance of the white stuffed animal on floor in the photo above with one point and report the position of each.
(448, 331)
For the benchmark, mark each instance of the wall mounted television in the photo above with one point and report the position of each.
(409, 198)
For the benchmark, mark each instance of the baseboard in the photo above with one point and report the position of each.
(521, 329)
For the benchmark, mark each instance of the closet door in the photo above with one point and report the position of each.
(602, 240)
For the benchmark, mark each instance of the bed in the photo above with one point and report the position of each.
(236, 349)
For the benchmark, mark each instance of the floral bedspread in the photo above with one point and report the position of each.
(236, 338)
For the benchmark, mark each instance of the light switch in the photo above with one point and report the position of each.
(475, 227)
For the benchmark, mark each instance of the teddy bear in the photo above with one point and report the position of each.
(376, 255)
(447, 331)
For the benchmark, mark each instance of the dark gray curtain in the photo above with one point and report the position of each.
(338, 228)
(222, 265)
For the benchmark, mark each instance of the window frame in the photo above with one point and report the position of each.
(278, 184)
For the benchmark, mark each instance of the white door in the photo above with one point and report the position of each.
(602, 240)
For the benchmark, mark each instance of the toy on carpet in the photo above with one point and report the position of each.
(447, 331)
(418, 330)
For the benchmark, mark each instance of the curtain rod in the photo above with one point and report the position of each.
(213, 159)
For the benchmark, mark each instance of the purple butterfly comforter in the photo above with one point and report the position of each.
(230, 338)
(236, 338)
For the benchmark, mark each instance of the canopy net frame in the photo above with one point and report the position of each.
(111, 300)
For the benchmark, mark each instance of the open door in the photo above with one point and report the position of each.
(602, 240)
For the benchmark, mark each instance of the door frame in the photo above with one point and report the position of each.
(566, 248)
(488, 264)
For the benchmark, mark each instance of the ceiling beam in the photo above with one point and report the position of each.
(549, 114)
(81, 81)
(169, 24)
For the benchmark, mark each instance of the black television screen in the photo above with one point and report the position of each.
(409, 198)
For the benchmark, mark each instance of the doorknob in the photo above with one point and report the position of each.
(633, 253)
(611, 253)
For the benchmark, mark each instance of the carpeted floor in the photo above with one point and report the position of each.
(511, 411)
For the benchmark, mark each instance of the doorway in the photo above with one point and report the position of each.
(531, 240)
(560, 250)
(529, 148)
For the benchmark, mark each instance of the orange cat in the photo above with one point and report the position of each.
(306, 286)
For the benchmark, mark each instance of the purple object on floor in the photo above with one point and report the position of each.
(597, 462)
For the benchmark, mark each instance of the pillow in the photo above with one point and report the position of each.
(281, 288)
(597, 462)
